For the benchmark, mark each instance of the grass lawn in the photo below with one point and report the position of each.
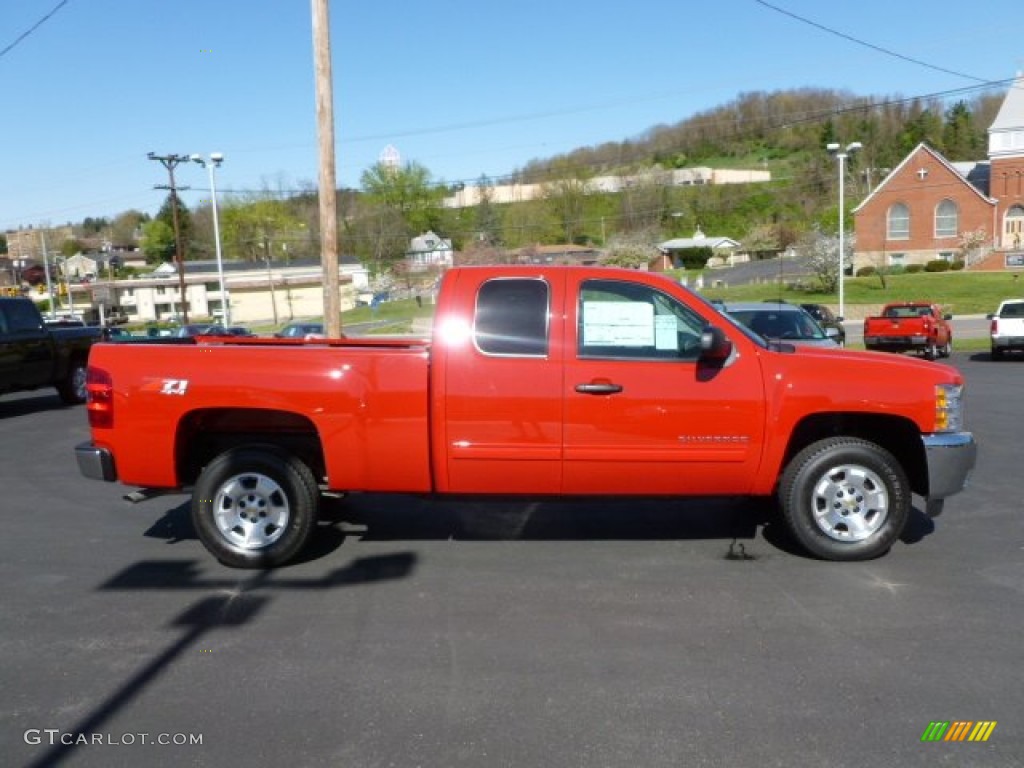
(971, 293)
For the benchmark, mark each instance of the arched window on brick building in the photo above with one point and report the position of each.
(947, 219)
(897, 222)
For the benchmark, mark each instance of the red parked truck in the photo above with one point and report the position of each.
(910, 326)
(537, 381)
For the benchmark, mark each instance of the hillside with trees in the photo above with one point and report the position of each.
(784, 132)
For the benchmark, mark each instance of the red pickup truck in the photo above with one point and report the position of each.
(537, 381)
(910, 326)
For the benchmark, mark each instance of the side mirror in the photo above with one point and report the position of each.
(947, 317)
(715, 346)
(990, 316)
(832, 333)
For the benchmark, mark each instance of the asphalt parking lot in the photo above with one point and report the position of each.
(423, 633)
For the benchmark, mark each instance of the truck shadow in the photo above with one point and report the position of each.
(12, 406)
(395, 517)
(222, 603)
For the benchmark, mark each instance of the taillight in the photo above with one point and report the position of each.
(995, 326)
(99, 387)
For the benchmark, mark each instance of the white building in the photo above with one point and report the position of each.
(257, 293)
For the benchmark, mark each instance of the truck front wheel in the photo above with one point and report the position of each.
(845, 499)
(255, 507)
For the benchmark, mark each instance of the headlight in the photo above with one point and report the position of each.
(949, 407)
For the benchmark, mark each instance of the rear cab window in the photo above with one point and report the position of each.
(512, 317)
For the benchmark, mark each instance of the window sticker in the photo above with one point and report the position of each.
(666, 332)
(618, 323)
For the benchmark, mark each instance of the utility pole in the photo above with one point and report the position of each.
(46, 272)
(169, 162)
(328, 184)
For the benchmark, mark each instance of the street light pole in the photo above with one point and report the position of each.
(841, 154)
(216, 158)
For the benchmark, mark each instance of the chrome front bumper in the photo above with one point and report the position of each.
(951, 458)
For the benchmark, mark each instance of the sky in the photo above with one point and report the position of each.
(464, 88)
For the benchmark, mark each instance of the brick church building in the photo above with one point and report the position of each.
(930, 208)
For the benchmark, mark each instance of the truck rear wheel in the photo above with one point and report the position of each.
(255, 507)
(72, 387)
(845, 499)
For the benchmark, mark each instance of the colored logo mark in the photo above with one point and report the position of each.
(958, 730)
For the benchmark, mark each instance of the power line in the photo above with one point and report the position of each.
(34, 27)
(866, 44)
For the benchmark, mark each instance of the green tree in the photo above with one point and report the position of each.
(3, 243)
(530, 223)
(408, 191)
(254, 230)
(960, 139)
(486, 218)
(157, 241)
(126, 227)
(565, 195)
(71, 246)
(166, 215)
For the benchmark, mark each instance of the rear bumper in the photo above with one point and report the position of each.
(95, 463)
(951, 458)
(897, 343)
(1008, 342)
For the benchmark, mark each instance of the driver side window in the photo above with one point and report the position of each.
(621, 319)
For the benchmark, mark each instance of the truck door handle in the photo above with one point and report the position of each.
(596, 388)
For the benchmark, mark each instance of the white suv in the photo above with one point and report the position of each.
(1007, 329)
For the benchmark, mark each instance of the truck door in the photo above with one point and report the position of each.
(26, 351)
(642, 414)
(498, 384)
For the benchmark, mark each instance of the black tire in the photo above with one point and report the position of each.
(845, 499)
(947, 349)
(931, 352)
(72, 387)
(255, 507)
(997, 354)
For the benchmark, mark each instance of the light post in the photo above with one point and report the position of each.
(216, 158)
(841, 153)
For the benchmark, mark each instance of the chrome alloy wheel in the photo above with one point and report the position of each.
(850, 503)
(251, 511)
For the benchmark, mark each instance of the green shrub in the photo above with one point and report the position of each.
(937, 265)
(913, 269)
(866, 271)
(956, 266)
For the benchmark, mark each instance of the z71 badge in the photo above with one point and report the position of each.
(174, 387)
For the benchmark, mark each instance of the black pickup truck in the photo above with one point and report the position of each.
(33, 355)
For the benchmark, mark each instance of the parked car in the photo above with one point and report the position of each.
(779, 321)
(113, 333)
(301, 330)
(1007, 329)
(238, 330)
(201, 329)
(827, 319)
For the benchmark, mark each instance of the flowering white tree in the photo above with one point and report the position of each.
(821, 252)
(972, 246)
